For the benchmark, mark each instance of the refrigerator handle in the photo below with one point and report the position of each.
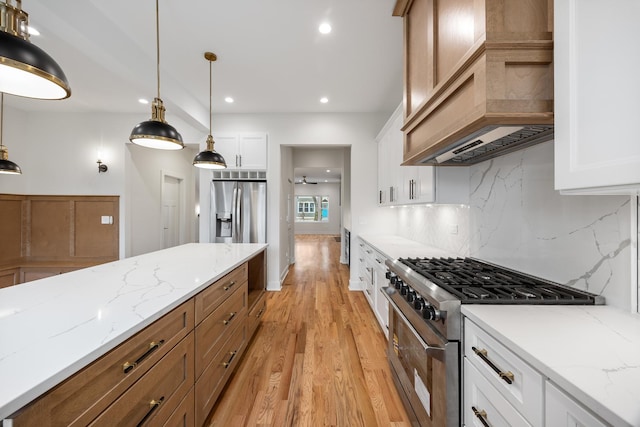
(237, 221)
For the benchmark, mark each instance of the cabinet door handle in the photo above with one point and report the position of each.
(231, 316)
(380, 197)
(153, 405)
(378, 261)
(230, 285)
(391, 199)
(260, 313)
(228, 362)
(153, 346)
(506, 376)
(481, 415)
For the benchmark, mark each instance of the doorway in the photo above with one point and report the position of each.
(172, 218)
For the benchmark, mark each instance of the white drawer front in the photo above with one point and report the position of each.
(525, 392)
(481, 399)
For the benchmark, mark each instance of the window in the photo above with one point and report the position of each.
(307, 208)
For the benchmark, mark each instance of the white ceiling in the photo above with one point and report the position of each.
(271, 57)
(318, 174)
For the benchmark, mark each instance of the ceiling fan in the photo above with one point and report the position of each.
(304, 181)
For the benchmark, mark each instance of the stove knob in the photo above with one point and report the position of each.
(398, 284)
(389, 275)
(404, 289)
(411, 295)
(393, 279)
(430, 313)
(418, 303)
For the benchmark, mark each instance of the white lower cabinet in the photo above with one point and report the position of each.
(372, 271)
(501, 389)
(483, 403)
(562, 411)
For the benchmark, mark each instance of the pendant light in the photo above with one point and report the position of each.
(6, 165)
(157, 133)
(25, 69)
(209, 158)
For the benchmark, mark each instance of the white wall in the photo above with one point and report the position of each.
(145, 169)
(350, 129)
(333, 225)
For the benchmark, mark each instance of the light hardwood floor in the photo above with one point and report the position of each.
(318, 359)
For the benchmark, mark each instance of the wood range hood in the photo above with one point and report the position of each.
(478, 78)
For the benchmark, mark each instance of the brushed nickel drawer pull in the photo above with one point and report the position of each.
(231, 316)
(228, 362)
(481, 415)
(233, 282)
(153, 405)
(153, 346)
(506, 376)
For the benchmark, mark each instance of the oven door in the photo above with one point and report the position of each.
(426, 372)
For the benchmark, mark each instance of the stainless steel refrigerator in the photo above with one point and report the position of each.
(238, 212)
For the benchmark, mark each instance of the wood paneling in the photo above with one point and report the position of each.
(92, 238)
(47, 235)
(49, 229)
(9, 277)
(10, 229)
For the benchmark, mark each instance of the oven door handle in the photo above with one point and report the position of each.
(437, 352)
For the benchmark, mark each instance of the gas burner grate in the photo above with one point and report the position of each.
(477, 282)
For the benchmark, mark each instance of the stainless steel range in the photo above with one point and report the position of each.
(425, 324)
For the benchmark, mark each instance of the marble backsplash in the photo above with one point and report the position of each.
(516, 219)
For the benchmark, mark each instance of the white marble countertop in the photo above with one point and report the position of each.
(592, 352)
(395, 247)
(53, 327)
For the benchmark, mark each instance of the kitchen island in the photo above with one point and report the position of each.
(52, 328)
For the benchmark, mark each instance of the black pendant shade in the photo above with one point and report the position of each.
(157, 133)
(8, 167)
(209, 158)
(25, 69)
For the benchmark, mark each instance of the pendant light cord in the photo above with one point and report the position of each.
(158, 46)
(210, 97)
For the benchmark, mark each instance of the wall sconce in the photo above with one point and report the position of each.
(101, 166)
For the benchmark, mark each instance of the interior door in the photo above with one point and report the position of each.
(171, 212)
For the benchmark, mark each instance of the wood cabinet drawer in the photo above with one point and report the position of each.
(9, 277)
(215, 375)
(215, 329)
(209, 299)
(519, 384)
(483, 402)
(154, 398)
(79, 399)
(255, 315)
(184, 415)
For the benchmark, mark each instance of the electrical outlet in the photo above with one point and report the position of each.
(106, 219)
(453, 228)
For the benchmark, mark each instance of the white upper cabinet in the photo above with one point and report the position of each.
(404, 185)
(597, 96)
(243, 150)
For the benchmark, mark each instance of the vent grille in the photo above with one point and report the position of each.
(525, 137)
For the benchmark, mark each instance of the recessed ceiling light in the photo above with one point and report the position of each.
(328, 170)
(229, 100)
(326, 180)
(324, 100)
(324, 28)
(143, 101)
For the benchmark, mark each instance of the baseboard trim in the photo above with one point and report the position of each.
(356, 285)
